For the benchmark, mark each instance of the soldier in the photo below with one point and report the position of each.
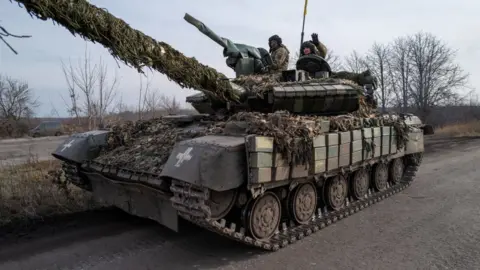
(279, 53)
(314, 46)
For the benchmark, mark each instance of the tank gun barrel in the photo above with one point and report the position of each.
(242, 58)
(205, 30)
(131, 46)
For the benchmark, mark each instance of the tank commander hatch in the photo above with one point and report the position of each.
(316, 47)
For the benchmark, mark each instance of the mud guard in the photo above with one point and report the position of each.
(81, 146)
(214, 162)
(135, 199)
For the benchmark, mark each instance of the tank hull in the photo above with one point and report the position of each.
(228, 207)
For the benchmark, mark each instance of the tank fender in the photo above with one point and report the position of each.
(214, 162)
(81, 146)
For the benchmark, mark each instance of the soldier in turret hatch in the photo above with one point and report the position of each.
(279, 53)
(314, 46)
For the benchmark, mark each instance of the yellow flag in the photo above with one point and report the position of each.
(305, 8)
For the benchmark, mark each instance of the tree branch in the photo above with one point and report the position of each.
(4, 33)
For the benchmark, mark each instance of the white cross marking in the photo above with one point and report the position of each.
(181, 157)
(67, 145)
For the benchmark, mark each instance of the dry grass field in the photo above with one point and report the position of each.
(28, 192)
(468, 129)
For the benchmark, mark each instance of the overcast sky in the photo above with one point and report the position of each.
(343, 26)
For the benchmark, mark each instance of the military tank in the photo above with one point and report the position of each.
(298, 152)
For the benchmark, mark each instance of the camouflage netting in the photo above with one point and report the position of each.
(293, 135)
(130, 45)
(146, 145)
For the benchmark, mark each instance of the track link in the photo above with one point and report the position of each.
(72, 174)
(193, 210)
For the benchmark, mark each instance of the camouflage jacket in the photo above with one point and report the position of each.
(280, 58)
(322, 49)
(318, 49)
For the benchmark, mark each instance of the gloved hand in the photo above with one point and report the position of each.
(315, 38)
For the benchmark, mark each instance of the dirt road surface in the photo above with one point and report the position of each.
(434, 224)
(14, 151)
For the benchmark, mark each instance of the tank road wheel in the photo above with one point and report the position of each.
(380, 176)
(360, 184)
(336, 192)
(262, 216)
(302, 203)
(221, 203)
(396, 170)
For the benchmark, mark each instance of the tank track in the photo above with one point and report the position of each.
(190, 203)
(72, 175)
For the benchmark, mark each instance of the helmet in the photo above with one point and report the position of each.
(276, 38)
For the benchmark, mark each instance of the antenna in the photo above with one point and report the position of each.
(303, 25)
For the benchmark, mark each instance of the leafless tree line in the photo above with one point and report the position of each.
(152, 103)
(94, 94)
(416, 71)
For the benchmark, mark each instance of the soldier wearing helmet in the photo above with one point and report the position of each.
(314, 46)
(279, 53)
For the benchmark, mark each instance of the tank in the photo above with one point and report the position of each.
(298, 151)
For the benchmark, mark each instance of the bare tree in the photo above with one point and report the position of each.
(142, 94)
(400, 72)
(16, 99)
(169, 104)
(72, 105)
(355, 63)
(334, 61)
(4, 34)
(17, 104)
(435, 77)
(106, 92)
(89, 91)
(152, 102)
(377, 61)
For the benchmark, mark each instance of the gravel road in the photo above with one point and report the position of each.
(434, 224)
(14, 151)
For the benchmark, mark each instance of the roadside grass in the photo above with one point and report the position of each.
(467, 129)
(28, 192)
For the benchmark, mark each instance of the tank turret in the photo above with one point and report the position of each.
(311, 88)
(243, 59)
